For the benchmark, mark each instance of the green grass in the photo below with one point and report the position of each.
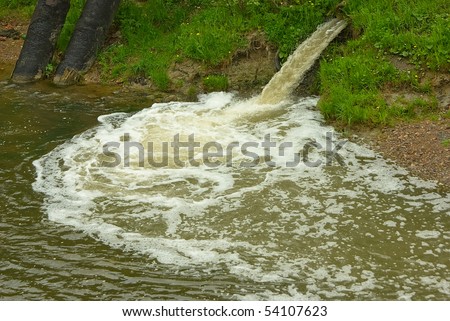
(291, 24)
(148, 45)
(446, 143)
(354, 74)
(76, 6)
(16, 8)
(157, 33)
(350, 87)
(15, 4)
(418, 30)
(215, 83)
(212, 35)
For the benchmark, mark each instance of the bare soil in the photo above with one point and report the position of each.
(10, 46)
(248, 70)
(423, 147)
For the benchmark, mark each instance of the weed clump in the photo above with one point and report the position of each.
(215, 83)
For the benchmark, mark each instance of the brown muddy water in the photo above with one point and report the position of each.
(72, 229)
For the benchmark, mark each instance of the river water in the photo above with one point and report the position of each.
(72, 228)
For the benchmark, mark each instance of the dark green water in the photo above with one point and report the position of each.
(381, 249)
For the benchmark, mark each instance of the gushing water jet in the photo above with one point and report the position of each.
(284, 82)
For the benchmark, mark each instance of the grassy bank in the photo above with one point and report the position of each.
(16, 9)
(157, 33)
(355, 75)
(150, 36)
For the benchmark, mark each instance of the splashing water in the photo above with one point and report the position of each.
(359, 228)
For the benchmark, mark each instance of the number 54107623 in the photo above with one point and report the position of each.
(295, 311)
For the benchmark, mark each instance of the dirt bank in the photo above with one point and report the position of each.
(11, 41)
(422, 146)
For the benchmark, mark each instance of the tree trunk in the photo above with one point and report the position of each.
(89, 35)
(45, 27)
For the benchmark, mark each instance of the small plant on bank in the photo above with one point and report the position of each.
(192, 93)
(446, 143)
(215, 83)
(49, 70)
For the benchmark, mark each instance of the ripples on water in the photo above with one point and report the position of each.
(41, 259)
(364, 231)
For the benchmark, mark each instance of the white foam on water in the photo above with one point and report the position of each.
(270, 224)
(428, 234)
